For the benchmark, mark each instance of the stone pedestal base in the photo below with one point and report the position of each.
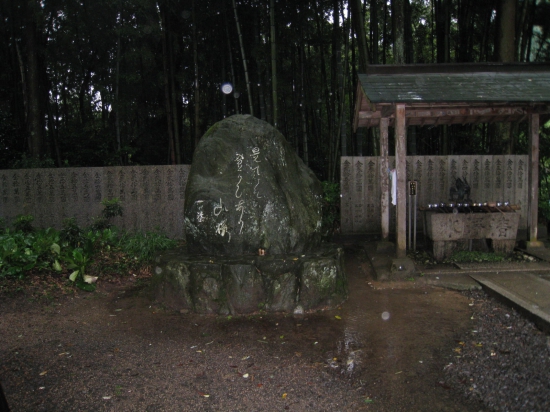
(383, 246)
(402, 269)
(245, 284)
(536, 244)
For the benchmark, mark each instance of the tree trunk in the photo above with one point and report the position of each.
(442, 28)
(117, 94)
(374, 30)
(173, 93)
(197, 89)
(245, 66)
(506, 53)
(233, 79)
(167, 104)
(385, 33)
(398, 25)
(35, 124)
(507, 31)
(260, 65)
(359, 26)
(273, 62)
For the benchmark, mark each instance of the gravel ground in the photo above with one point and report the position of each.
(504, 361)
(113, 350)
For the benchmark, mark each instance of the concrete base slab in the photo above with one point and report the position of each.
(402, 268)
(528, 292)
(453, 281)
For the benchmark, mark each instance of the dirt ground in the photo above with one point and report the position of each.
(384, 349)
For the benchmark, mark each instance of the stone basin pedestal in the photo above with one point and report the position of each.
(452, 232)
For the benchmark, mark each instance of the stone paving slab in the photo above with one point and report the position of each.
(528, 291)
(539, 252)
(504, 266)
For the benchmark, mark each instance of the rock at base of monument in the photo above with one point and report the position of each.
(247, 284)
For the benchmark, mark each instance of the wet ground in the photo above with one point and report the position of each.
(384, 349)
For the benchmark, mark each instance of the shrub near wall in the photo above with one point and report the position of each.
(152, 196)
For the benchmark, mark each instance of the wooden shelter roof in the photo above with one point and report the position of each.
(453, 93)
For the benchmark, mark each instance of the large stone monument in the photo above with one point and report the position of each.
(253, 213)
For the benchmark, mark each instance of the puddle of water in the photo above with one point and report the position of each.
(396, 341)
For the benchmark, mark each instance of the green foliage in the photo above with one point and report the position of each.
(21, 251)
(25, 162)
(75, 250)
(143, 246)
(71, 234)
(23, 223)
(331, 208)
(111, 209)
(465, 256)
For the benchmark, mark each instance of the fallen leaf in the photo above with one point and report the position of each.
(245, 375)
(284, 395)
(89, 279)
(479, 345)
(43, 373)
(397, 373)
(443, 385)
(260, 385)
(338, 317)
(369, 400)
(42, 388)
(107, 397)
(245, 358)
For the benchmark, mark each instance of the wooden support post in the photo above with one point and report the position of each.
(401, 168)
(533, 202)
(384, 179)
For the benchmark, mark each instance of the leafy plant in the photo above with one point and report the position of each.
(142, 246)
(331, 208)
(23, 223)
(111, 209)
(21, 252)
(71, 234)
(77, 260)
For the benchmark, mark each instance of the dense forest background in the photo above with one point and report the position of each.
(120, 82)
